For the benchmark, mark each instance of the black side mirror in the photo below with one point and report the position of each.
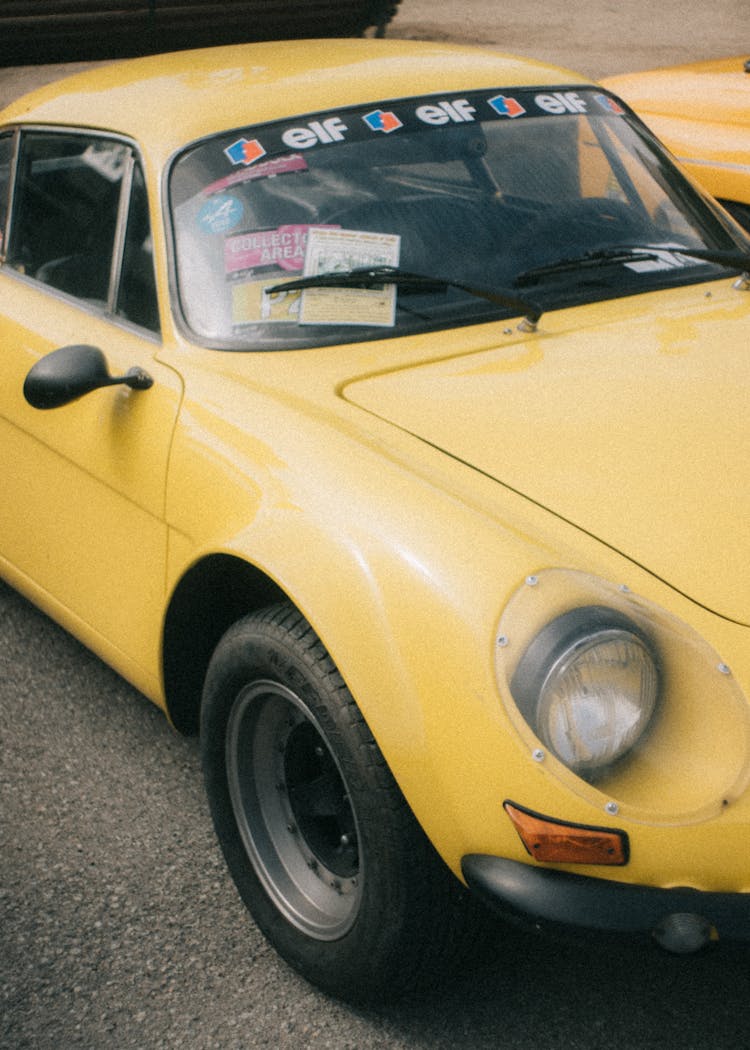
(73, 371)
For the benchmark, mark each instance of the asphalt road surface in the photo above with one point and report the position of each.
(119, 927)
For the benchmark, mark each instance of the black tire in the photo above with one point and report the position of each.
(323, 848)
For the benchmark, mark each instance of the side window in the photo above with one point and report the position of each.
(6, 164)
(136, 300)
(65, 211)
(68, 211)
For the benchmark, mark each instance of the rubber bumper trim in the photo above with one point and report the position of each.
(599, 904)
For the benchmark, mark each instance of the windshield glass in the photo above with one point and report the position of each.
(483, 191)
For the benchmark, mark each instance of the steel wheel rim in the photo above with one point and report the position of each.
(291, 805)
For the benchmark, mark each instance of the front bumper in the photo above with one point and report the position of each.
(599, 904)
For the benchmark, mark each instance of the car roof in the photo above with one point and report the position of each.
(165, 101)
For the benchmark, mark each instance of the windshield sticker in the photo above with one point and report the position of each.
(315, 133)
(663, 259)
(561, 102)
(270, 155)
(280, 247)
(251, 304)
(269, 169)
(245, 151)
(340, 251)
(609, 104)
(382, 120)
(506, 106)
(221, 214)
(460, 111)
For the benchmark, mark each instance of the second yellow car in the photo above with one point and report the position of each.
(702, 112)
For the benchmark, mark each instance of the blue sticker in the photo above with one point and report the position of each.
(221, 214)
(506, 106)
(245, 151)
(382, 120)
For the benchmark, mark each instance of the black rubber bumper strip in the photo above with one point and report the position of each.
(599, 904)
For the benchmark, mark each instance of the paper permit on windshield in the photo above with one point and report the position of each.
(339, 251)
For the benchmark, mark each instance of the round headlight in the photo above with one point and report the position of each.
(588, 685)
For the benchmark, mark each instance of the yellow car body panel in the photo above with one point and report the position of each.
(701, 111)
(389, 488)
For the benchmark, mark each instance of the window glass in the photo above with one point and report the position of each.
(65, 211)
(137, 300)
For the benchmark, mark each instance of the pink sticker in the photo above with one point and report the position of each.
(283, 247)
(267, 170)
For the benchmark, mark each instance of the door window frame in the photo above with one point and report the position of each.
(125, 207)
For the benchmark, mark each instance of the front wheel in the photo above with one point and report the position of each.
(317, 836)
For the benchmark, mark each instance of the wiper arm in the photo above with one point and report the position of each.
(409, 283)
(734, 260)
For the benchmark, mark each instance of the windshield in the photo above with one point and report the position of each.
(486, 191)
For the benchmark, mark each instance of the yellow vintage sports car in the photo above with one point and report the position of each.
(702, 112)
(379, 410)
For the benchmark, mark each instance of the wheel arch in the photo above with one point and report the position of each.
(212, 595)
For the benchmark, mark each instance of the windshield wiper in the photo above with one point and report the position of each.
(589, 261)
(735, 260)
(409, 283)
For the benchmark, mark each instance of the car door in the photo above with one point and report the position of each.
(82, 511)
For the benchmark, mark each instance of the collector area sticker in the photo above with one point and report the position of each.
(282, 246)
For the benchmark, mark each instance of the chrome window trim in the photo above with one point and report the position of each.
(14, 133)
(118, 244)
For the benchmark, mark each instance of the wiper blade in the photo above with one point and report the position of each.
(409, 283)
(589, 260)
(735, 260)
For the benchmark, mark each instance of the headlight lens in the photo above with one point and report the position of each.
(588, 685)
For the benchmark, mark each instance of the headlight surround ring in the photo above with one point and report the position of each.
(688, 761)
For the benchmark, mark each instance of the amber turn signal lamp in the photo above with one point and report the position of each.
(554, 841)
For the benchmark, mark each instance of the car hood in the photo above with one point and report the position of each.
(705, 91)
(634, 429)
